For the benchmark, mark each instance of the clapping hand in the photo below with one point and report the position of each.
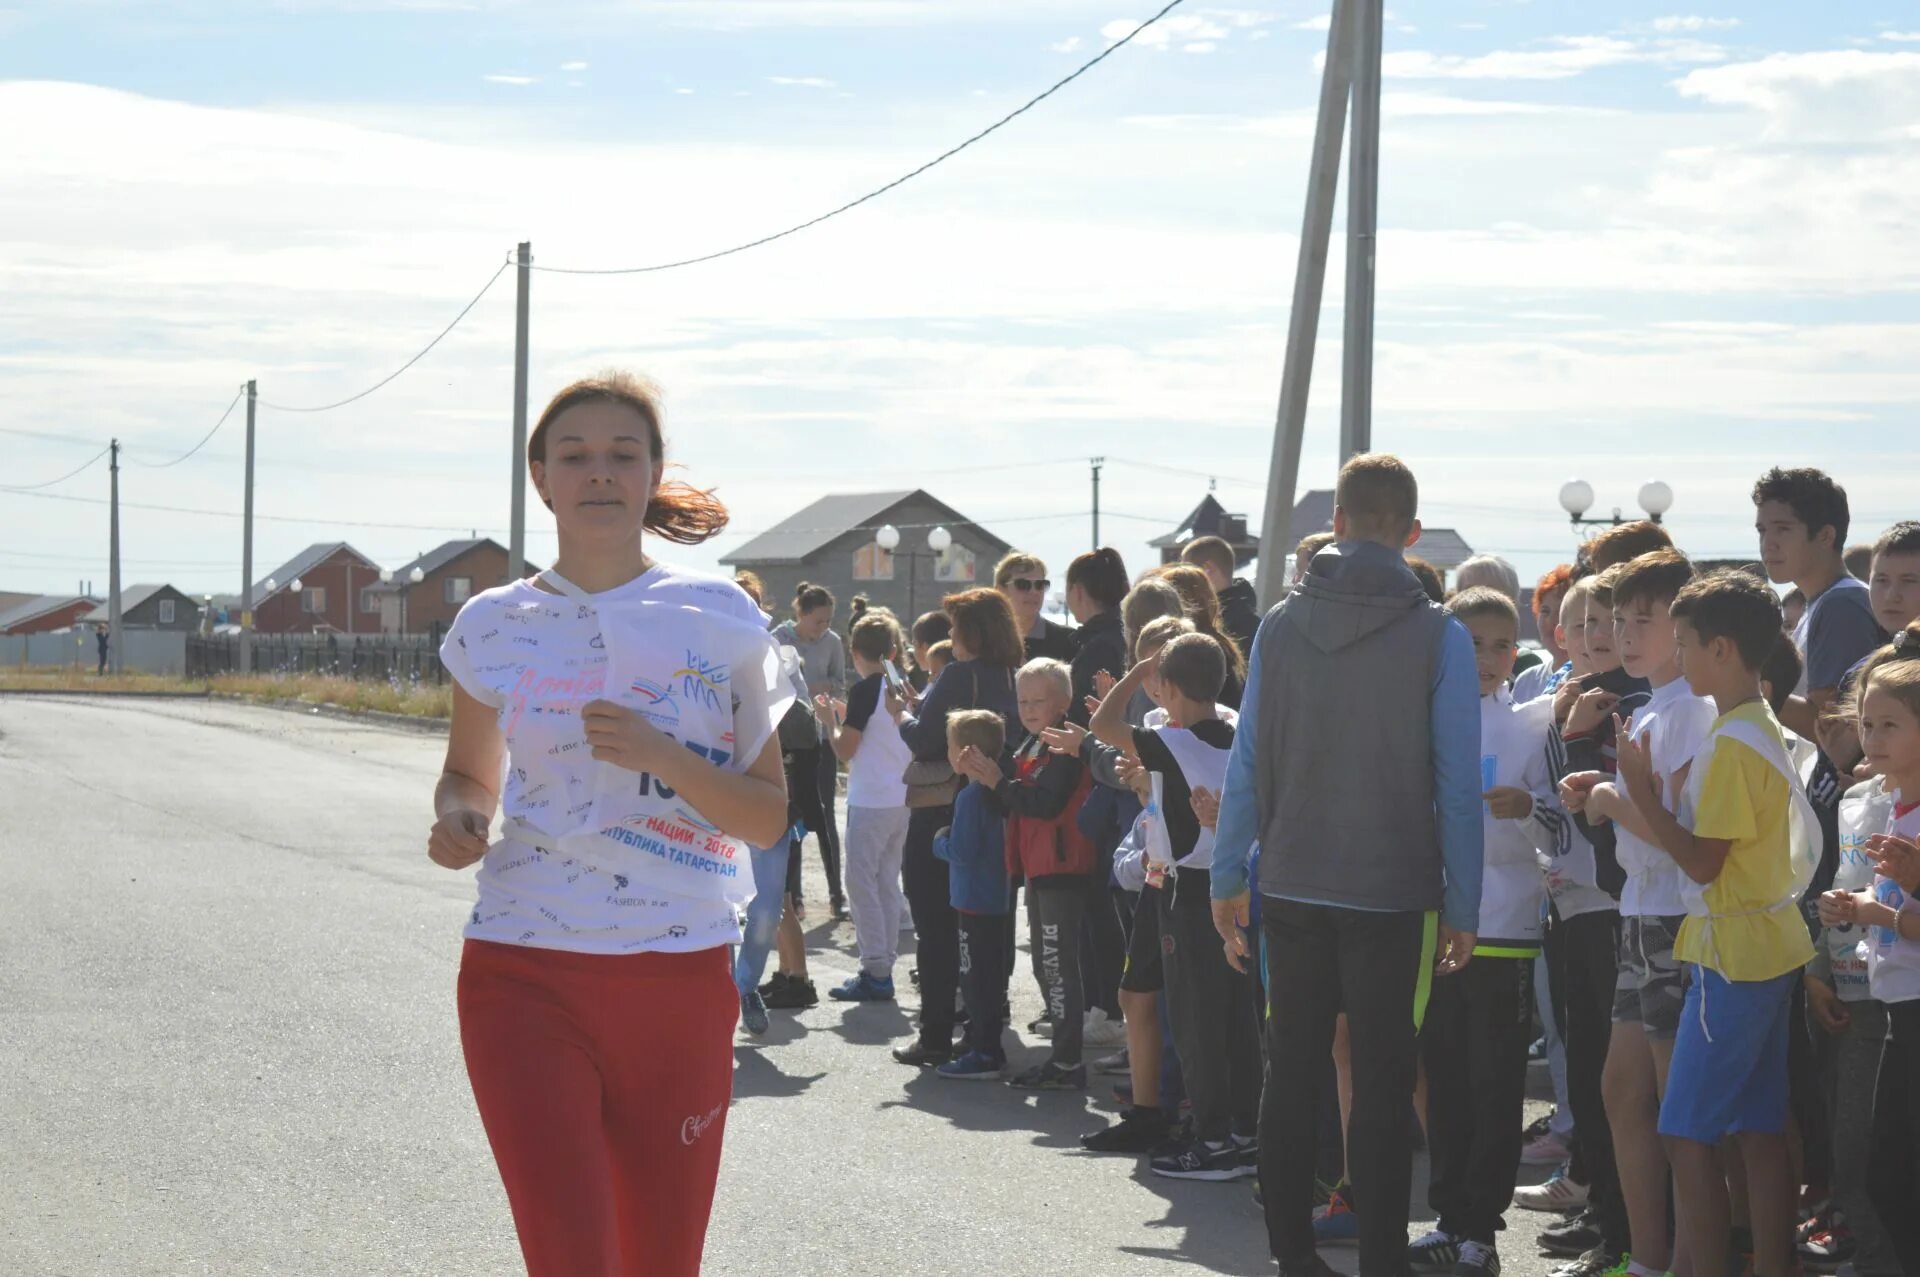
(1839, 909)
(1589, 711)
(1896, 858)
(1067, 739)
(977, 766)
(1206, 807)
(1635, 760)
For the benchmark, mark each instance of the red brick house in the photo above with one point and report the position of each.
(449, 575)
(45, 613)
(333, 577)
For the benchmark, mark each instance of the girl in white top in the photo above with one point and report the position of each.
(1888, 707)
(621, 714)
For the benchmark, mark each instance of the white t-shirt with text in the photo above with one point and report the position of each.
(1674, 724)
(536, 658)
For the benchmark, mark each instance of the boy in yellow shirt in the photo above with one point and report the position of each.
(1747, 858)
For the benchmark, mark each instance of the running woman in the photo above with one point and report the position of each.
(621, 714)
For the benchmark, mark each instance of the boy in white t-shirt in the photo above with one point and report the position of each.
(1673, 725)
(868, 741)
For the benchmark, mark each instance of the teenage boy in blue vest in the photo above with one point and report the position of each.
(1369, 876)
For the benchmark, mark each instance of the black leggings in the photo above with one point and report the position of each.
(1893, 1179)
(937, 950)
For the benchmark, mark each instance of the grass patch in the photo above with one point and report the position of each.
(413, 700)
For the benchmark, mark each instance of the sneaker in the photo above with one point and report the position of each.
(1041, 1028)
(1547, 1149)
(1594, 1263)
(1335, 1223)
(1200, 1160)
(863, 988)
(1819, 1220)
(1828, 1249)
(1138, 1131)
(1437, 1252)
(796, 993)
(1538, 1126)
(772, 982)
(1052, 1077)
(1119, 1062)
(1099, 1030)
(753, 1013)
(1573, 1236)
(1558, 1194)
(974, 1066)
(922, 1055)
(1477, 1259)
(1323, 1192)
(840, 913)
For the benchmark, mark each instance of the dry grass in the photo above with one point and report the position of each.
(415, 701)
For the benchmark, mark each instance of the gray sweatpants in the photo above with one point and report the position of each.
(1056, 908)
(1856, 1067)
(876, 837)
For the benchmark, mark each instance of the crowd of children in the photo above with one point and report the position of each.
(1310, 880)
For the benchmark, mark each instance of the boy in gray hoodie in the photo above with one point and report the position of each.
(1357, 770)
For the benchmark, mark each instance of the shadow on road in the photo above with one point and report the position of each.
(755, 1075)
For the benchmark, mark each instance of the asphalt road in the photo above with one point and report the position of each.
(228, 1045)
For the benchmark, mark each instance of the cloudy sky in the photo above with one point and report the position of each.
(1668, 243)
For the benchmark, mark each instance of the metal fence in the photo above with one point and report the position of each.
(381, 658)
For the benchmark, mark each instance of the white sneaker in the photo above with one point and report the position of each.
(1098, 1030)
(1559, 1194)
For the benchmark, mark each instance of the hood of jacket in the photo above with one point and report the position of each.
(1353, 589)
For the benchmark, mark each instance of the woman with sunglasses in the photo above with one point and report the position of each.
(1023, 579)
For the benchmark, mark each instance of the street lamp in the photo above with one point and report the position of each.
(413, 578)
(939, 541)
(1576, 498)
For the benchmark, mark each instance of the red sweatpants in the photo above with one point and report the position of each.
(603, 1081)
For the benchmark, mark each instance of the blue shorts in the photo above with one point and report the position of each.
(1729, 1071)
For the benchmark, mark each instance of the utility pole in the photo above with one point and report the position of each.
(1303, 330)
(1097, 463)
(246, 550)
(1363, 217)
(113, 561)
(517, 536)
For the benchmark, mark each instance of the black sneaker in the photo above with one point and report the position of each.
(1437, 1252)
(1597, 1262)
(1203, 1161)
(796, 993)
(840, 913)
(922, 1055)
(774, 981)
(1051, 1077)
(1138, 1131)
(1575, 1235)
(1477, 1259)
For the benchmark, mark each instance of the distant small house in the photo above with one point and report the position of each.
(45, 613)
(151, 607)
(1210, 519)
(832, 543)
(449, 576)
(332, 575)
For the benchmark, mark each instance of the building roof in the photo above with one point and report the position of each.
(130, 598)
(435, 559)
(299, 565)
(10, 599)
(1442, 547)
(1209, 518)
(816, 526)
(1312, 513)
(39, 605)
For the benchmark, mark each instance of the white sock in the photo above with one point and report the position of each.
(1641, 1270)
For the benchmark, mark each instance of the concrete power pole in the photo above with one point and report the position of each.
(1303, 329)
(113, 562)
(517, 536)
(246, 551)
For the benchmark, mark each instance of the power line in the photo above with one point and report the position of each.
(162, 465)
(34, 488)
(328, 407)
(941, 158)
